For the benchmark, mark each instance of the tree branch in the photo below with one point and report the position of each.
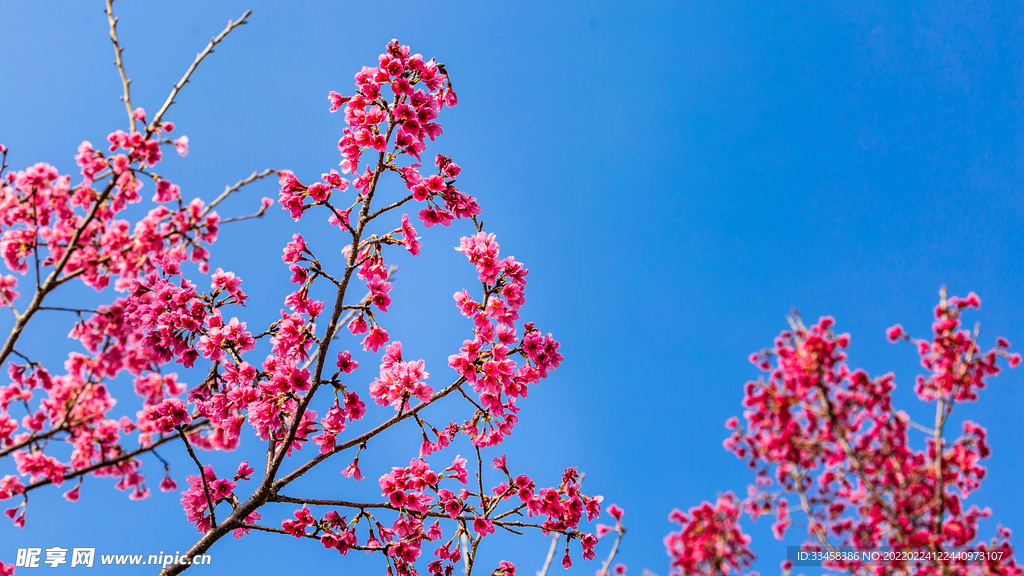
(551, 555)
(125, 81)
(202, 475)
(229, 190)
(195, 64)
(114, 461)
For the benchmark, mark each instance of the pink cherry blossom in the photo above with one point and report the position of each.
(187, 344)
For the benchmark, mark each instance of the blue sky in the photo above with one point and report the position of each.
(676, 175)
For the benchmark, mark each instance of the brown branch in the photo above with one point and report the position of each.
(77, 310)
(480, 480)
(819, 530)
(281, 483)
(195, 64)
(258, 214)
(267, 490)
(229, 190)
(34, 438)
(114, 461)
(248, 526)
(280, 499)
(391, 207)
(52, 279)
(202, 475)
(332, 326)
(125, 81)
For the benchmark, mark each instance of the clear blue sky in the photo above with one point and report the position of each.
(676, 175)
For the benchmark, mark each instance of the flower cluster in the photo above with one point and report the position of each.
(709, 540)
(164, 316)
(486, 360)
(74, 231)
(830, 434)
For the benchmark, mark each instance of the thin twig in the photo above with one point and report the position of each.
(551, 555)
(117, 460)
(202, 475)
(467, 559)
(229, 190)
(77, 310)
(615, 549)
(358, 440)
(341, 503)
(351, 308)
(195, 64)
(125, 81)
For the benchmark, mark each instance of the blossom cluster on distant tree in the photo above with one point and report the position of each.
(829, 435)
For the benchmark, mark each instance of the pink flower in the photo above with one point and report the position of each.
(181, 145)
(400, 381)
(7, 285)
(375, 339)
(250, 519)
(483, 526)
(337, 100)
(73, 494)
(319, 191)
(410, 241)
(166, 416)
(38, 465)
(615, 511)
(482, 250)
(297, 527)
(10, 486)
(466, 304)
(334, 180)
(166, 192)
(293, 251)
(352, 470)
(244, 471)
(710, 540)
(358, 325)
(499, 463)
(433, 216)
(345, 362)
(168, 484)
(458, 469)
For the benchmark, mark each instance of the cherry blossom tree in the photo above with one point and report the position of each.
(814, 430)
(209, 381)
(828, 436)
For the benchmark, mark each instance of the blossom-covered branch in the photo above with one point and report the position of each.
(829, 434)
(161, 315)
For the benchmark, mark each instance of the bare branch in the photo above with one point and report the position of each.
(229, 190)
(551, 555)
(615, 549)
(125, 81)
(195, 64)
(339, 503)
